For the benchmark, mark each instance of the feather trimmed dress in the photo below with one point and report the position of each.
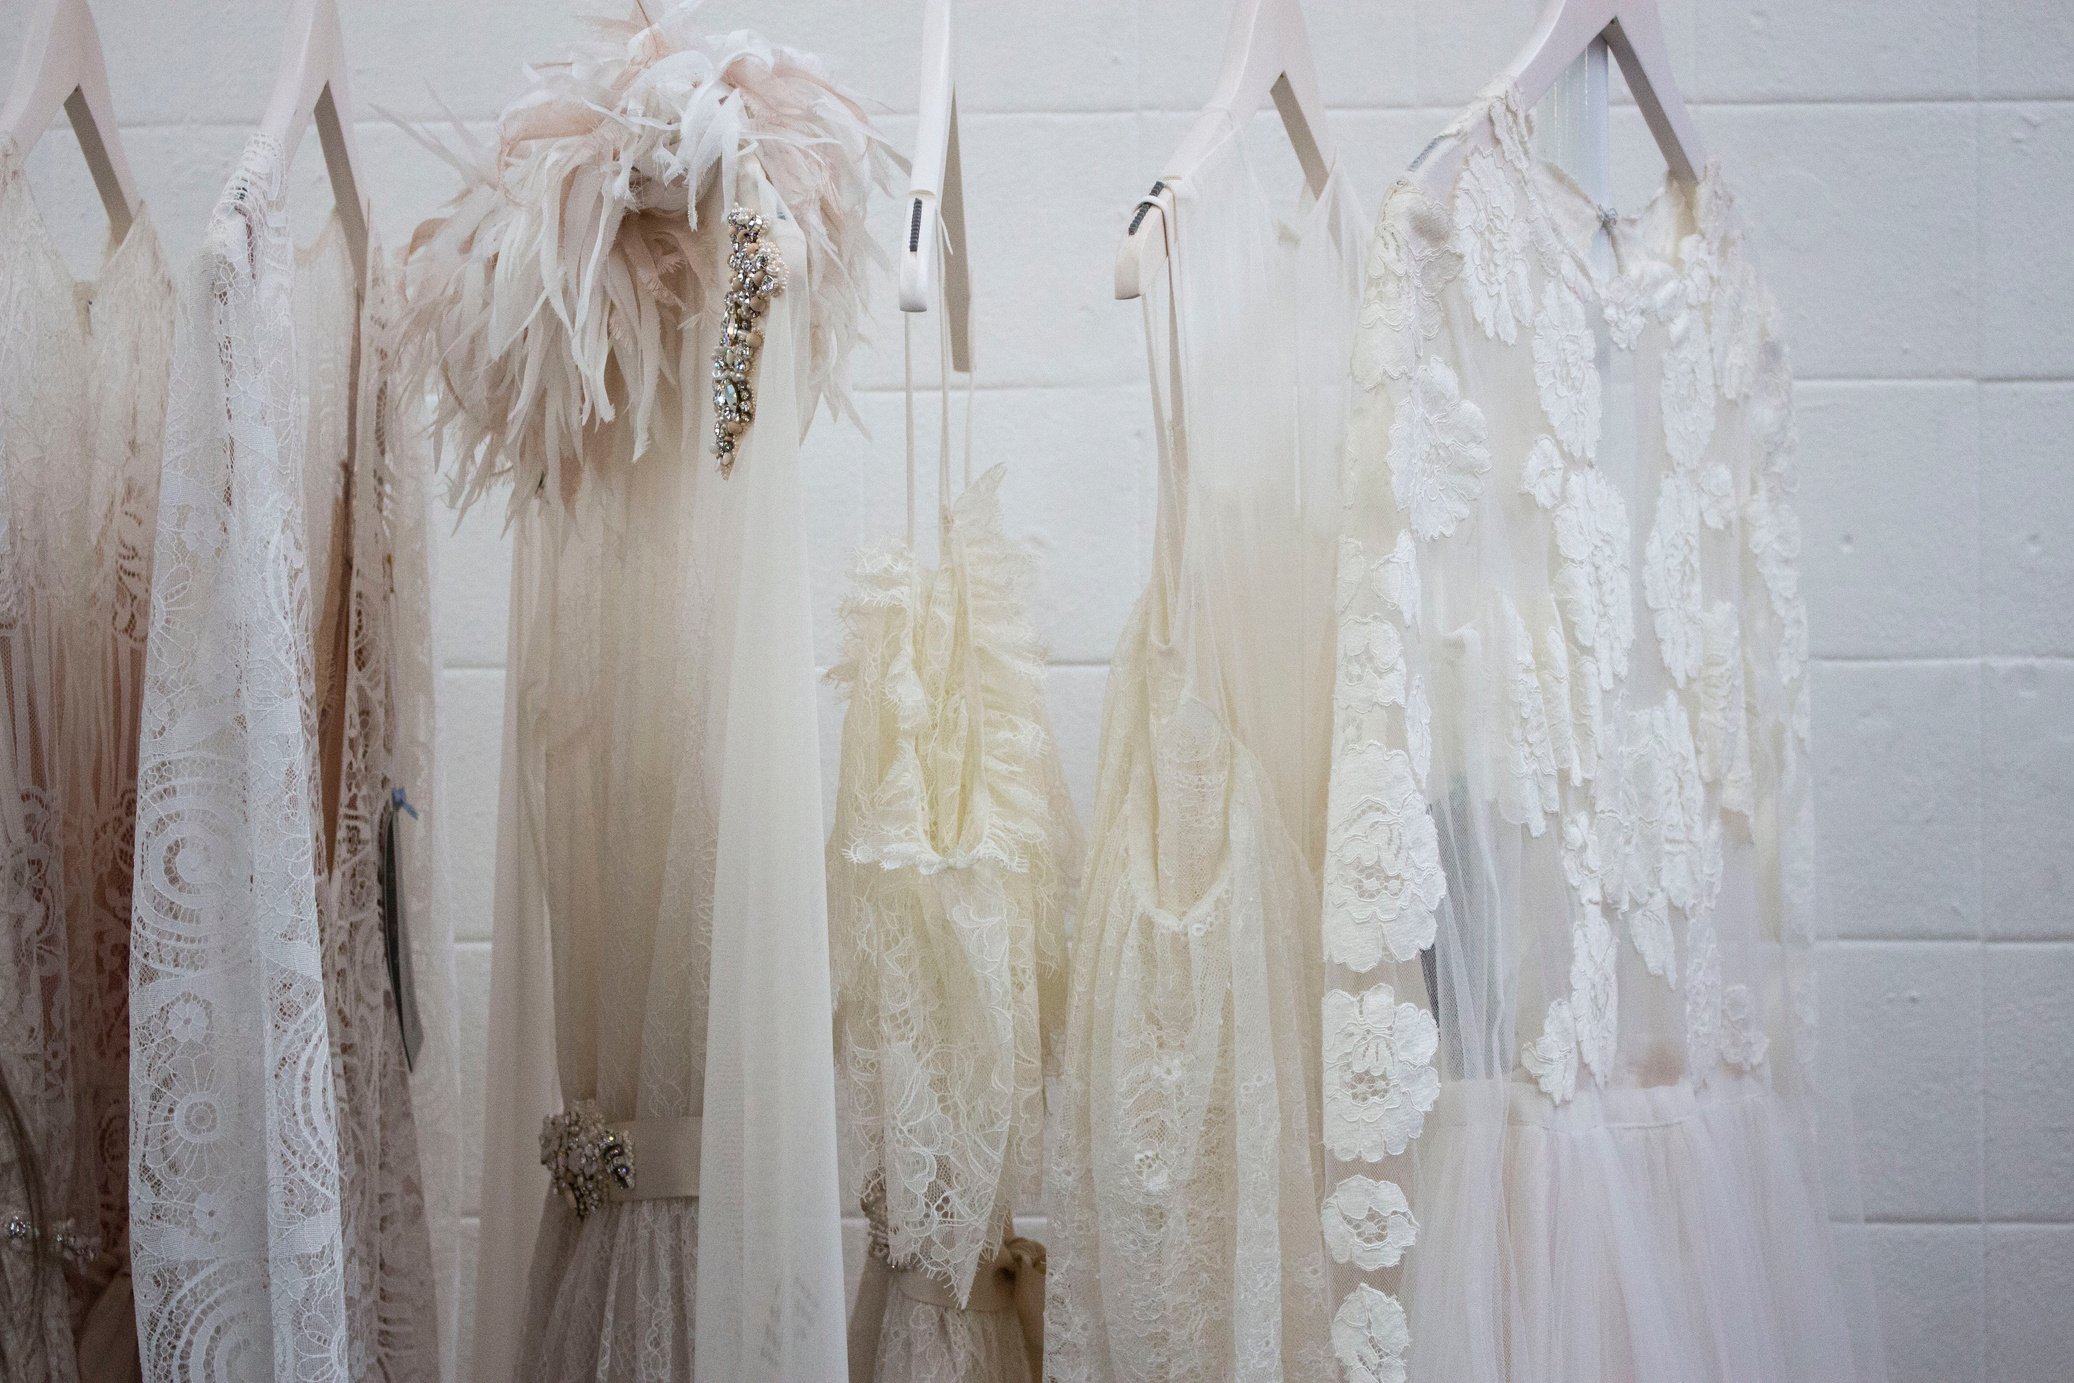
(83, 369)
(1570, 1088)
(291, 1163)
(1184, 1174)
(633, 309)
(949, 872)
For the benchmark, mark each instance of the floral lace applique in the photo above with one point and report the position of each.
(1591, 529)
(1566, 370)
(1552, 1057)
(1370, 1336)
(1527, 784)
(1439, 452)
(1687, 393)
(1541, 474)
(1744, 1042)
(1418, 728)
(1492, 239)
(1594, 997)
(1649, 927)
(1671, 577)
(1559, 702)
(1379, 1076)
(1382, 872)
(1368, 1223)
(1409, 262)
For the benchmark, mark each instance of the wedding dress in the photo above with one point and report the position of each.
(1184, 1174)
(948, 868)
(82, 398)
(292, 1046)
(635, 306)
(1570, 1080)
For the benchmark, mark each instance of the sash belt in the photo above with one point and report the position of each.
(666, 1158)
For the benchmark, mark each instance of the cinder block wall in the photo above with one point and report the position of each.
(1909, 166)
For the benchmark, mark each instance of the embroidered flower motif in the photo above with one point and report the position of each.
(1557, 701)
(1594, 1001)
(1591, 529)
(1717, 496)
(187, 1019)
(1744, 1042)
(1492, 239)
(1382, 861)
(1368, 1223)
(1552, 1057)
(1364, 580)
(1566, 370)
(1624, 303)
(1541, 475)
(1438, 452)
(1774, 531)
(1655, 831)
(1724, 748)
(1408, 263)
(1369, 1336)
(1510, 125)
(1649, 927)
(1379, 1076)
(1671, 577)
(1527, 783)
(1582, 866)
(1371, 665)
(1686, 396)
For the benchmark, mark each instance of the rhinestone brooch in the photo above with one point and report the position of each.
(584, 1158)
(755, 275)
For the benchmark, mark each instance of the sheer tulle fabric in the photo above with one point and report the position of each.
(949, 867)
(1184, 1174)
(1570, 1097)
(279, 1180)
(82, 402)
(661, 943)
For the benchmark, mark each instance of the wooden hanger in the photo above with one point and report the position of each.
(312, 84)
(1634, 33)
(1267, 56)
(936, 191)
(62, 68)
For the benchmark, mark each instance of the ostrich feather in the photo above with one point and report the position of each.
(549, 299)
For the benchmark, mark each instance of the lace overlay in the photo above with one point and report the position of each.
(82, 400)
(948, 869)
(278, 1184)
(1184, 1177)
(1567, 902)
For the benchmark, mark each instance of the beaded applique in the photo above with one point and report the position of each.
(756, 276)
(582, 1155)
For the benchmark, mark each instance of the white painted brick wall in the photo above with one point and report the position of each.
(1909, 165)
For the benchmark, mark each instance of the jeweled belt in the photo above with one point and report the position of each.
(591, 1160)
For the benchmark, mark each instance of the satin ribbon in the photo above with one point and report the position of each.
(666, 1158)
(1012, 1280)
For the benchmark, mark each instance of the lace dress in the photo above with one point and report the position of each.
(82, 401)
(682, 219)
(1569, 1060)
(284, 1197)
(948, 872)
(1184, 1175)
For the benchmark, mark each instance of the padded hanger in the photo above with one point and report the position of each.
(62, 68)
(1267, 56)
(936, 190)
(1634, 33)
(312, 84)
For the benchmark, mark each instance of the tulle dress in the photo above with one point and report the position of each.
(293, 1173)
(82, 402)
(1184, 1174)
(669, 226)
(949, 872)
(1571, 1087)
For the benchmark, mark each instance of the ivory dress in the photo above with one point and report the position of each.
(291, 1166)
(1184, 1174)
(948, 869)
(1569, 1058)
(82, 401)
(659, 1026)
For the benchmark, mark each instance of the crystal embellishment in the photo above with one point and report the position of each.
(755, 275)
(584, 1158)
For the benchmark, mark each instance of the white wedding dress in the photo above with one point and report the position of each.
(291, 1168)
(659, 1026)
(949, 871)
(1184, 1172)
(1570, 1083)
(82, 400)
